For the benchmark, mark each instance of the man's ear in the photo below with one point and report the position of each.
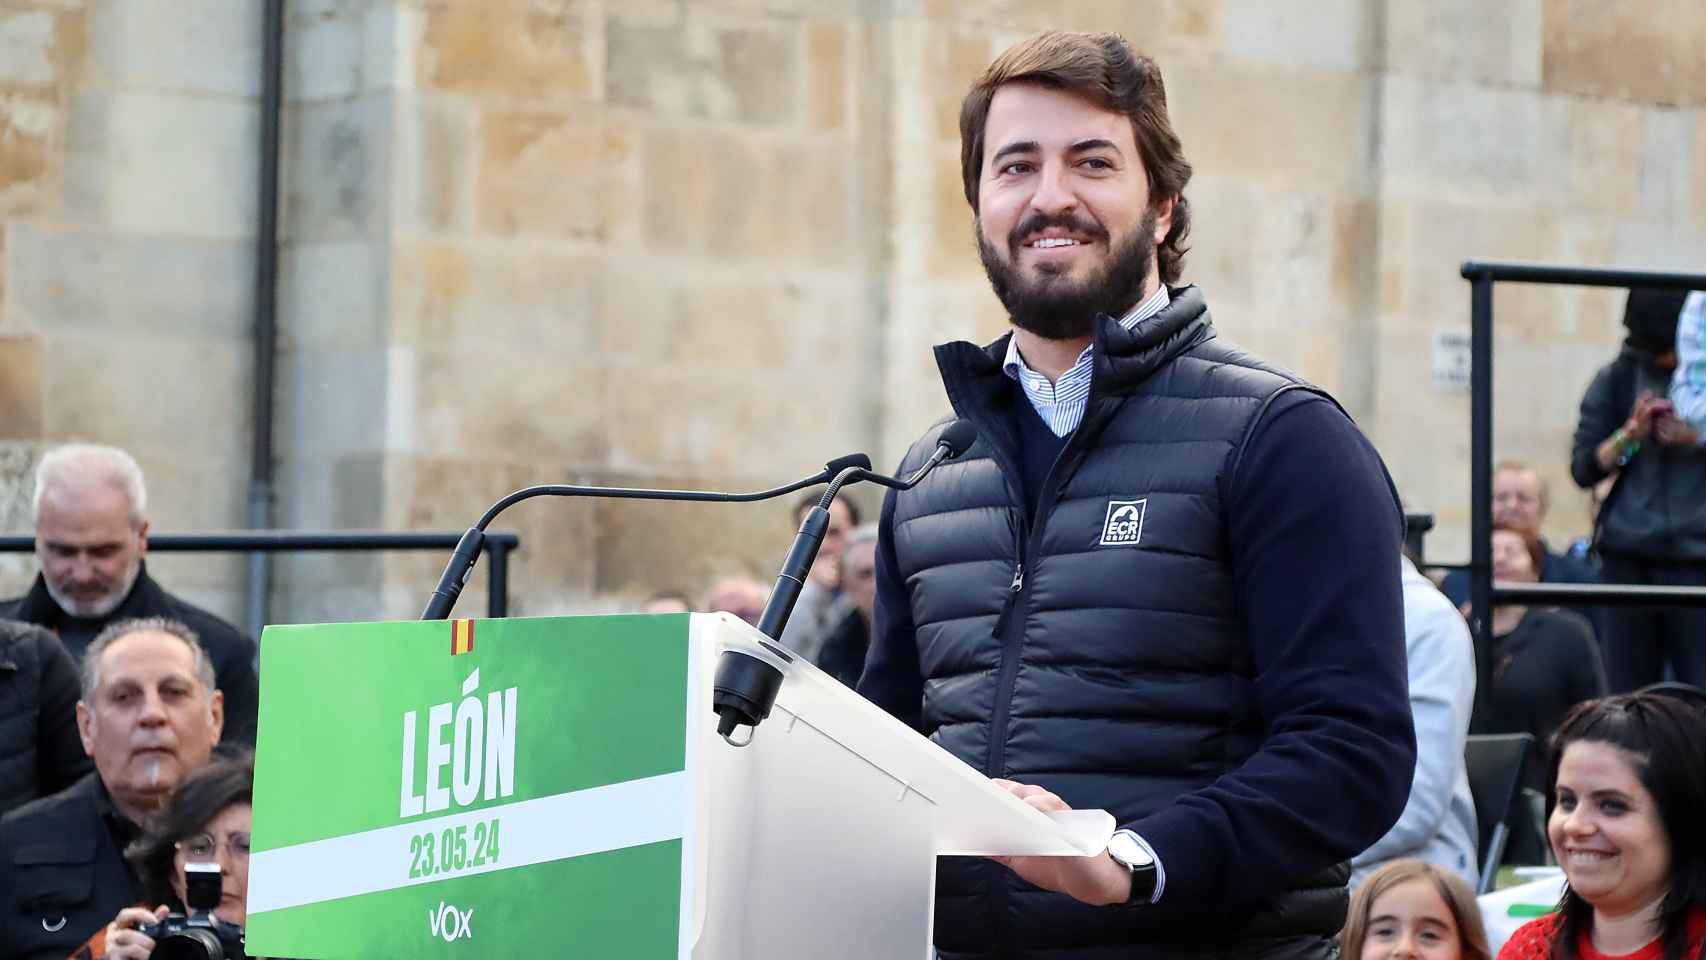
(86, 727)
(142, 539)
(216, 713)
(1163, 218)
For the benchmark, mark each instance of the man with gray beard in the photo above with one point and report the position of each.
(91, 524)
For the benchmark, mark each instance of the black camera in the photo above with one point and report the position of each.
(200, 935)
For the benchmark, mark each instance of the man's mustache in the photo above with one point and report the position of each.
(1040, 221)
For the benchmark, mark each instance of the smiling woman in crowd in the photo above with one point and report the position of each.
(1628, 829)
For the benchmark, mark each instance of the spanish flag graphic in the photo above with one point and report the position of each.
(461, 636)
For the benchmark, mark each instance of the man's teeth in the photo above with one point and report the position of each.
(1055, 242)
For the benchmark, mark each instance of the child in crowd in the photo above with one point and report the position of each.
(1409, 908)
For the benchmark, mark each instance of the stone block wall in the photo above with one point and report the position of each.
(710, 243)
(127, 172)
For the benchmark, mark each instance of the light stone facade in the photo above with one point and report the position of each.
(709, 243)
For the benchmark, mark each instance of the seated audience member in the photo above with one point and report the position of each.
(1545, 660)
(842, 654)
(39, 752)
(1688, 383)
(1410, 909)
(207, 820)
(91, 540)
(1438, 822)
(149, 715)
(667, 601)
(1629, 772)
(1652, 528)
(814, 612)
(1521, 500)
(742, 596)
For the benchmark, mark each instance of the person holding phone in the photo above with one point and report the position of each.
(1652, 525)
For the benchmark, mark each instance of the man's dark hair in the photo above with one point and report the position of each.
(198, 798)
(811, 498)
(1651, 315)
(1665, 738)
(1102, 68)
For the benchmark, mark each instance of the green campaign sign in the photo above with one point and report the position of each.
(463, 788)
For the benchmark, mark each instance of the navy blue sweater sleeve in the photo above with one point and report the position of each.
(892, 679)
(1314, 533)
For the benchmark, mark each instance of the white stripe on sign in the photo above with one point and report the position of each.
(566, 825)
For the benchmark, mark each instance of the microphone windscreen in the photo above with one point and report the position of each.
(839, 464)
(958, 437)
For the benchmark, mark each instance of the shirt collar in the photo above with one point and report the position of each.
(121, 827)
(1015, 366)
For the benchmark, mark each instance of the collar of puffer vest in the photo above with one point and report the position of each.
(1122, 359)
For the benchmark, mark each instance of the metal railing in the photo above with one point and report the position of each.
(497, 548)
(1483, 592)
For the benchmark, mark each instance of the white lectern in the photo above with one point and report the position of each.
(819, 838)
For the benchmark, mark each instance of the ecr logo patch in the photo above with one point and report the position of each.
(1124, 526)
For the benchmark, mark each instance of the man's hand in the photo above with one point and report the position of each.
(1673, 432)
(1647, 410)
(125, 939)
(1098, 881)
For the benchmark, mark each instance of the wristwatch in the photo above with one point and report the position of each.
(1129, 853)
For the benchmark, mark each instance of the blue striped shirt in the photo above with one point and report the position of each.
(1061, 404)
(1688, 384)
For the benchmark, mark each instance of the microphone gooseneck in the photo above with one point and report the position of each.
(467, 552)
(745, 688)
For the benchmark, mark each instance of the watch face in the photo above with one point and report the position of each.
(1125, 848)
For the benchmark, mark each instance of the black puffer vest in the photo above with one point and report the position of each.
(1095, 648)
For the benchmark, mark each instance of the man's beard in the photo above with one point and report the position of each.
(1054, 307)
(101, 606)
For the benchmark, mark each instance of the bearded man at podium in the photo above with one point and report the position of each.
(1164, 582)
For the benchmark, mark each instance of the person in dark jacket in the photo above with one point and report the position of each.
(842, 653)
(91, 540)
(39, 750)
(148, 715)
(1545, 661)
(1163, 582)
(1652, 526)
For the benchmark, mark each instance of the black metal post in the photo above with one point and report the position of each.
(261, 471)
(1481, 490)
(497, 577)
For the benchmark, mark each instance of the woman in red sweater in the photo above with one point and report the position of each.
(1629, 829)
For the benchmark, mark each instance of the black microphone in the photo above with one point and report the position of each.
(467, 551)
(745, 687)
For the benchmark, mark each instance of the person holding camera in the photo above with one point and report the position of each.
(1652, 526)
(205, 825)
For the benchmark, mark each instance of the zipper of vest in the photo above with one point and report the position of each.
(1010, 634)
(1012, 600)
